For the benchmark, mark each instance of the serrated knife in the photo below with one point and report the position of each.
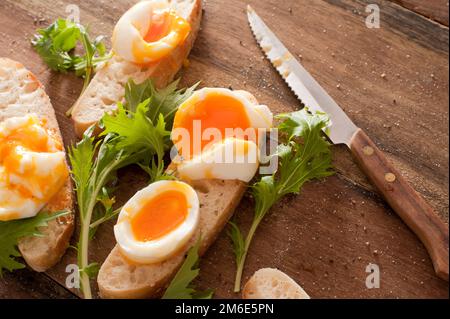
(403, 199)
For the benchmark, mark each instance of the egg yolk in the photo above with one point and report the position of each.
(216, 111)
(160, 215)
(166, 31)
(159, 28)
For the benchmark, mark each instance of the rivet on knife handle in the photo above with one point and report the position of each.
(408, 204)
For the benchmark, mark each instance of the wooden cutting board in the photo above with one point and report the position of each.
(325, 237)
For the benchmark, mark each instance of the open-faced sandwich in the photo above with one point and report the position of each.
(151, 40)
(160, 223)
(34, 176)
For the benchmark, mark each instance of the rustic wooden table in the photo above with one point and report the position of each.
(325, 237)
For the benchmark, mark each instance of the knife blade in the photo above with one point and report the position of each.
(301, 82)
(403, 199)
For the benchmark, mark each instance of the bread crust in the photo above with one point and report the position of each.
(20, 94)
(269, 283)
(108, 85)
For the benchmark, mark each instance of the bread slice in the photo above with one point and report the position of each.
(118, 278)
(268, 283)
(108, 85)
(20, 94)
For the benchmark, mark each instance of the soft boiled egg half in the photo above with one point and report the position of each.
(217, 132)
(32, 167)
(148, 32)
(157, 222)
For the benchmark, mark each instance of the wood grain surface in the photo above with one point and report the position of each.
(404, 200)
(392, 81)
(434, 9)
(27, 284)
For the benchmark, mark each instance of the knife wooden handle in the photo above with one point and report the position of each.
(404, 200)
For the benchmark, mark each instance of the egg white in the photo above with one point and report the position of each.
(160, 249)
(224, 160)
(14, 206)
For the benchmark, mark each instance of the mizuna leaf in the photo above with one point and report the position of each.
(12, 231)
(304, 156)
(181, 285)
(164, 101)
(129, 137)
(237, 240)
(56, 45)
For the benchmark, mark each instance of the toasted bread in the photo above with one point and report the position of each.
(108, 85)
(119, 278)
(20, 94)
(268, 283)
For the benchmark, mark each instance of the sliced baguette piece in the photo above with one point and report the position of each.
(20, 94)
(269, 283)
(108, 85)
(118, 278)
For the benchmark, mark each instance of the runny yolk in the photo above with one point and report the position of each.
(167, 30)
(26, 137)
(216, 111)
(159, 27)
(160, 215)
(29, 137)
